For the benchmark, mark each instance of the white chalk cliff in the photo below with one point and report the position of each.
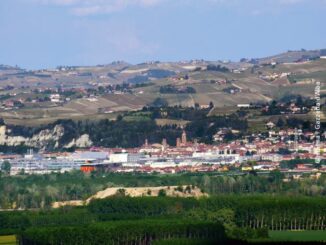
(43, 139)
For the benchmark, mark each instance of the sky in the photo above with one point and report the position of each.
(37, 34)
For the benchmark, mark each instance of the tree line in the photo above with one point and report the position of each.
(40, 191)
(137, 232)
(128, 134)
(170, 89)
(143, 219)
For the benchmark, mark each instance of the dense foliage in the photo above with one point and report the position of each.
(170, 89)
(274, 212)
(149, 218)
(125, 232)
(142, 220)
(217, 68)
(39, 191)
(126, 133)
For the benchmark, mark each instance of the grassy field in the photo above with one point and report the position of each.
(220, 111)
(164, 122)
(318, 75)
(44, 121)
(8, 240)
(298, 235)
(295, 236)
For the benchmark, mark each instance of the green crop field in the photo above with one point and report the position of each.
(8, 240)
(294, 236)
(297, 235)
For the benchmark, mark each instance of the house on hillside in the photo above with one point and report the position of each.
(270, 125)
(55, 98)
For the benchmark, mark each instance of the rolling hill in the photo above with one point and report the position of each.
(226, 84)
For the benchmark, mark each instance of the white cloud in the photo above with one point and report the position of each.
(58, 2)
(90, 7)
(263, 7)
(262, 2)
(112, 41)
(291, 1)
(93, 7)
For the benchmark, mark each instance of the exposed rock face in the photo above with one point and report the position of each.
(82, 142)
(44, 139)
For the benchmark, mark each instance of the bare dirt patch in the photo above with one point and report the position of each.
(174, 191)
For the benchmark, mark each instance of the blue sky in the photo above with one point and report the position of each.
(47, 33)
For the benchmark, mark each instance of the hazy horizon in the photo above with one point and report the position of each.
(39, 34)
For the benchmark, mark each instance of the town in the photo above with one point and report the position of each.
(260, 154)
(155, 122)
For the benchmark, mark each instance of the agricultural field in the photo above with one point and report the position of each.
(298, 235)
(209, 86)
(164, 122)
(8, 240)
(295, 236)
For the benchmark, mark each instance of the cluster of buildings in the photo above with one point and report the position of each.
(274, 76)
(91, 92)
(239, 155)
